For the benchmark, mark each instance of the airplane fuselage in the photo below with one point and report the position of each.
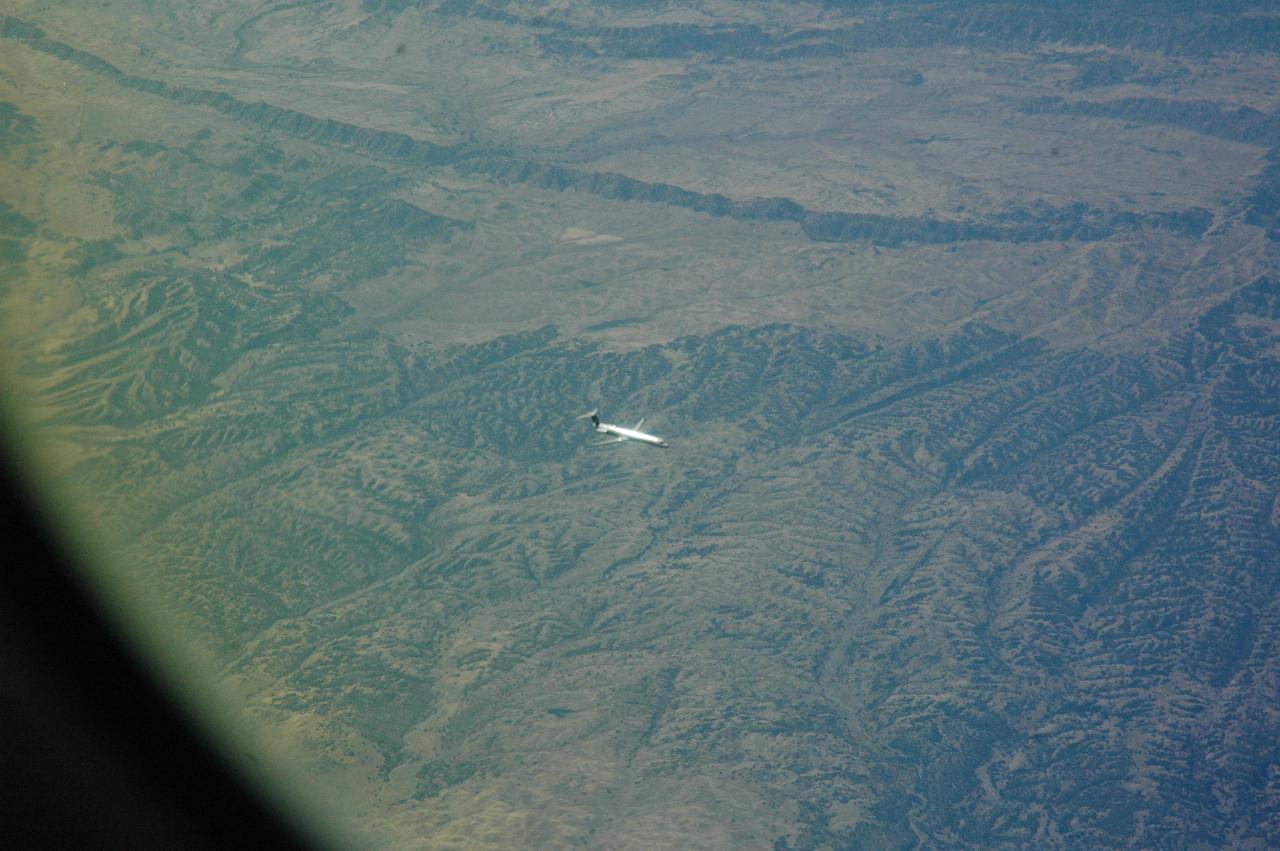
(631, 434)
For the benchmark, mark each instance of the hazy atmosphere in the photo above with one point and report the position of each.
(961, 319)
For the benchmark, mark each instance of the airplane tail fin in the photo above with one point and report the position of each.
(591, 415)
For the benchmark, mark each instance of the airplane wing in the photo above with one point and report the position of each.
(607, 442)
(636, 427)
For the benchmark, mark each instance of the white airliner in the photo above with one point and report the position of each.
(618, 434)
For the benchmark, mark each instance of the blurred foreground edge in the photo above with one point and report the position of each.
(93, 753)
